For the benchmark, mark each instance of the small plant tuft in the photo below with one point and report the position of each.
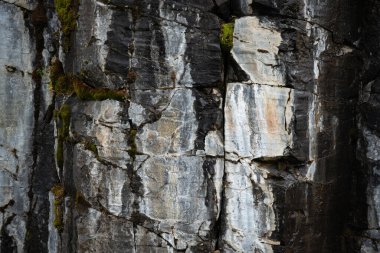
(59, 82)
(67, 84)
(226, 36)
(85, 92)
(67, 15)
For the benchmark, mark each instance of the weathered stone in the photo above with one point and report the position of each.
(262, 129)
(256, 47)
(287, 163)
(16, 125)
(98, 232)
(250, 218)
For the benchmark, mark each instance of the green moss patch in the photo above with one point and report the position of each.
(59, 195)
(132, 143)
(63, 116)
(227, 36)
(60, 82)
(67, 15)
(85, 92)
(67, 84)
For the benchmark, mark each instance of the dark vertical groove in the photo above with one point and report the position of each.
(42, 173)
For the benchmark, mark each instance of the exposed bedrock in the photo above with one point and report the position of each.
(288, 147)
(189, 126)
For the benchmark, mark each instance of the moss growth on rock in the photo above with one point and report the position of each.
(67, 15)
(60, 82)
(226, 36)
(85, 92)
(66, 84)
(58, 191)
(63, 116)
(132, 151)
(59, 194)
(59, 153)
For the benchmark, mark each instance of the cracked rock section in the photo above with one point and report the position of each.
(16, 125)
(289, 108)
(189, 126)
(145, 173)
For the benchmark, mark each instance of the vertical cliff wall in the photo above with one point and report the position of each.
(189, 126)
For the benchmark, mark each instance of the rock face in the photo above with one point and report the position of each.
(189, 126)
(17, 120)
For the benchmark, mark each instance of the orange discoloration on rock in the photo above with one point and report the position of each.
(271, 116)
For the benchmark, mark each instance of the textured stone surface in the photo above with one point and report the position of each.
(250, 217)
(16, 125)
(256, 47)
(272, 146)
(258, 121)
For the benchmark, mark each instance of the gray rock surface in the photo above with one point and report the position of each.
(270, 144)
(16, 125)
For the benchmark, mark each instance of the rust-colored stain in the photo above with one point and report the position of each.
(271, 115)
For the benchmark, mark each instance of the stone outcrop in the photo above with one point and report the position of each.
(189, 126)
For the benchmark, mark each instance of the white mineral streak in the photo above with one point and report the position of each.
(320, 35)
(250, 218)
(315, 122)
(16, 119)
(256, 118)
(257, 126)
(214, 144)
(174, 181)
(255, 49)
(175, 185)
(103, 19)
(312, 125)
(174, 31)
(256, 121)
